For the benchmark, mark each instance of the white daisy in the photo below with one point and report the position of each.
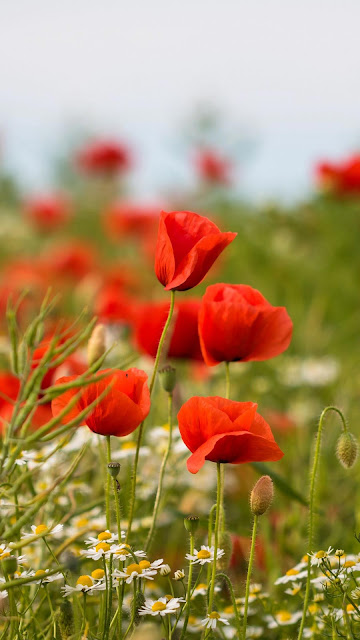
(42, 529)
(44, 578)
(122, 552)
(5, 552)
(144, 569)
(161, 607)
(26, 456)
(291, 575)
(104, 536)
(283, 618)
(3, 594)
(317, 557)
(201, 589)
(205, 555)
(295, 589)
(101, 550)
(84, 584)
(24, 574)
(212, 619)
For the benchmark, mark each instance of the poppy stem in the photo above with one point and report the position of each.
(227, 379)
(161, 477)
(189, 584)
(312, 506)
(248, 577)
(141, 428)
(219, 501)
(108, 479)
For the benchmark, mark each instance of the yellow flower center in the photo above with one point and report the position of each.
(202, 585)
(82, 523)
(17, 573)
(166, 426)
(313, 608)
(105, 535)
(320, 554)
(214, 614)
(349, 563)
(85, 581)
(283, 616)
(305, 559)
(40, 529)
(5, 555)
(144, 564)
(40, 572)
(192, 620)
(158, 606)
(133, 567)
(255, 588)
(203, 554)
(102, 545)
(292, 572)
(350, 607)
(97, 574)
(168, 597)
(128, 445)
(229, 609)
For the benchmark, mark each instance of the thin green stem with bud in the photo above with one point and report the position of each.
(219, 502)
(248, 577)
(188, 591)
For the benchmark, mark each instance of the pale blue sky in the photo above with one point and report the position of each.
(286, 70)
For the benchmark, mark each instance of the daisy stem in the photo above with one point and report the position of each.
(107, 495)
(84, 611)
(161, 477)
(51, 608)
(188, 591)
(141, 428)
(54, 556)
(312, 506)
(219, 501)
(248, 577)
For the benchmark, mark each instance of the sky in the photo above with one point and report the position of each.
(284, 73)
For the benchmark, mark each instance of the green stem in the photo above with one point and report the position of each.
(188, 592)
(227, 380)
(248, 578)
(107, 495)
(161, 477)
(219, 500)
(312, 506)
(233, 600)
(141, 428)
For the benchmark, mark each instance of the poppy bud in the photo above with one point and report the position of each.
(66, 620)
(347, 449)
(191, 524)
(9, 565)
(167, 377)
(114, 469)
(261, 496)
(225, 543)
(96, 345)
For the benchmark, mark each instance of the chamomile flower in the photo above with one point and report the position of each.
(24, 574)
(205, 555)
(212, 620)
(85, 584)
(201, 590)
(42, 529)
(127, 450)
(283, 618)
(3, 594)
(295, 589)
(291, 575)
(317, 557)
(5, 552)
(122, 552)
(255, 593)
(102, 549)
(193, 624)
(25, 457)
(161, 607)
(43, 576)
(144, 569)
(104, 536)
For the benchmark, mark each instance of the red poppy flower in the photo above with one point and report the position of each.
(187, 246)
(223, 430)
(9, 390)
(119, 412)
(113, 305)
(149, 323)
(104, 156)
(126, 218)
(48, 213)
(71, 260)
(342, 177)
(237, 323)
(212, 167)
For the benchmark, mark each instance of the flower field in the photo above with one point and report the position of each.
(179, 407)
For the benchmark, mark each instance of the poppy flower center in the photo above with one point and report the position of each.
(102, 545)
(204, 554)
(97, 574)
(40, 529)
(133, 567)
(158, 606)
(284, 616)
(85, 581)
(214, 615)
(104, 535)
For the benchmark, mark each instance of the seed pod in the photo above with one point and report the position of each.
(347, 449)
(261, 496)
(167, 376)
(10, 565)
(191, 524)
(66, 620)
(114, 469)
(96, 345)
(138, 601)
(225, 543)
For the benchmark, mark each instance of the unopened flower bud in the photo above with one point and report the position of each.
(191, 524)
(165, 570)
(167, 377)
(339, 553)
(179, 574)
(96, 345)
(114, 469)
(261, 496)
(10, 565)
(66, 620)
(347, 449)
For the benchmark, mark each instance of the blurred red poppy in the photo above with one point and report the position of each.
(237, 323)
(71, 260)
(223, 430)
(187, 246)
(342, 177)
(119, 412)
(212, 167)
(72, 365)
(48, 213)
(126, 218)
(104, 156)
(112, 304)
(149, 322)
(9, 390)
